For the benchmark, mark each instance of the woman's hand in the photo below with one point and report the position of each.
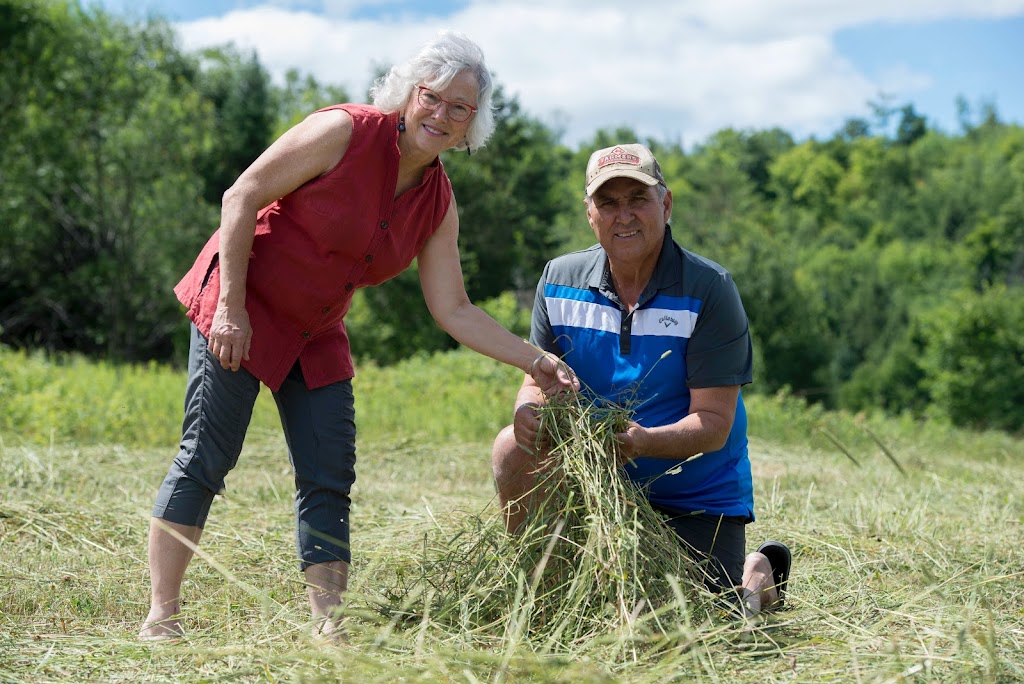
(230, 336)
(553, 375)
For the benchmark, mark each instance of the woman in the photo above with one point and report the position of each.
(345, 199)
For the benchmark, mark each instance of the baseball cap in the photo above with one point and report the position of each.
(631, 160)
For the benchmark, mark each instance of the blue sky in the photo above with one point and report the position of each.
(673, 71)
(982, 60)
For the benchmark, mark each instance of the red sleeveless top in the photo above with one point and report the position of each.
(315, 246)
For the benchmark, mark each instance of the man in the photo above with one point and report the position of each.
(638, 317)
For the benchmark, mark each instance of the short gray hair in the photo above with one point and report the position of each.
(437, 63)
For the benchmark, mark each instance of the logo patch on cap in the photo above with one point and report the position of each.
(618, 156)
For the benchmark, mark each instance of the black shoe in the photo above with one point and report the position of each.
(781, 559)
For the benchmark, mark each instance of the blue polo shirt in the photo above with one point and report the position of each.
(689, 329)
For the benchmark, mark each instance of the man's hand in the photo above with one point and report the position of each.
(630, 443)
(526, 426)
(553, 375)
(230, 336)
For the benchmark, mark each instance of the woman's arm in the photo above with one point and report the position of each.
(445, 295)
(307, 150)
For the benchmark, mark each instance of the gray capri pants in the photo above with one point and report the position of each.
(319, 426)
(716, 542)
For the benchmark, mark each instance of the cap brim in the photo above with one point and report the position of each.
(619, 173)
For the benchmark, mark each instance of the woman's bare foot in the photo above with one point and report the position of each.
(160, 626)
(325, 584)
(329, 630)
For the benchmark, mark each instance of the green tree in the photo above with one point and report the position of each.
(509, 196)
(102, 202)
(912, 278)
(807, 176)
(912, 126)
(238, 89)
(974, 358)
(391, 322)
(300, 96)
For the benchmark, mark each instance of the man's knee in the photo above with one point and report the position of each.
(507, 459)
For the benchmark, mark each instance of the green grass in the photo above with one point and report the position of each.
(914, 576)
(67, 400)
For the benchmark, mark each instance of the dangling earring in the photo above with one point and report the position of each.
(401, 124)
(469, 152)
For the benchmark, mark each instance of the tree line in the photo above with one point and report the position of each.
(881, 268)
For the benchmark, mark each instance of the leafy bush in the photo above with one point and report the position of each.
(974, 359)
(64, 398)
(458, 394)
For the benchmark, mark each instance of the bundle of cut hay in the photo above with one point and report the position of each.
(595, 562)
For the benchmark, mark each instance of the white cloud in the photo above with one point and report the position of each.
(668, 70)
(899, 78)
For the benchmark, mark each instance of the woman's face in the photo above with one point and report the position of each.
(434, 131)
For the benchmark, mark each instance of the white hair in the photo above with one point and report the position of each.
(435, 66)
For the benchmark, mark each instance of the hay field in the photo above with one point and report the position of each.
(898, 576)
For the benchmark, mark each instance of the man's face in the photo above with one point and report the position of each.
(629, 220)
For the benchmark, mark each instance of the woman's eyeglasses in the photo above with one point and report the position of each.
(457, 111)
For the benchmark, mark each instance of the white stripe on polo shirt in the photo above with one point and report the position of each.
(577, 314)
(593, 316)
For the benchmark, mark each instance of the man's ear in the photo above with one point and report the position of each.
(586, 208)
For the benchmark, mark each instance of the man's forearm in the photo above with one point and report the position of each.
(697, 433)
